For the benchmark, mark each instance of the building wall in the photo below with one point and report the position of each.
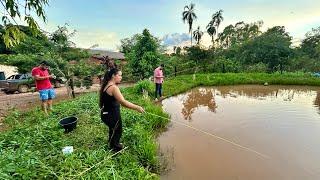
(8, 70)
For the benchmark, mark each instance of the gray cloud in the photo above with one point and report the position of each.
(175, 39)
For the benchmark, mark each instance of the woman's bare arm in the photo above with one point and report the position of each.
(119, 97)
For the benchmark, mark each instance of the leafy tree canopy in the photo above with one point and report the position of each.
(144, 54)
(311, 44)
(272, 48)
(12, 34)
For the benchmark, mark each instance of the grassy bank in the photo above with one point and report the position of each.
(180, 84)
(31, 148)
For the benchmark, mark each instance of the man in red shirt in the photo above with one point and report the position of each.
(43, 85)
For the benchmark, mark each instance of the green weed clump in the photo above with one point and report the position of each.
(144, 86)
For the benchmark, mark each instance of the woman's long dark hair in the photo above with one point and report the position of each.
(107, 77)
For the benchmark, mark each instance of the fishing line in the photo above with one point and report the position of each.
(212, 135)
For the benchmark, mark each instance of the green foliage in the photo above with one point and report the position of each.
(65, 60)
(211, 30)
(304, 63)
(144, 56)
(257, 68)
(178, 50)
(244, 48)
(61, 37)
(239, 33)
(83, 82)
(311, 44)
(13, 35)
(3, 58)
(197, 54)
(213, 26)
(272, 48)
(75, 54)
(144, 85)
(224, 65)
(127, 44)
(197, 35)
(83, 71)
(24, 62)
(148, 62)
(32, 45)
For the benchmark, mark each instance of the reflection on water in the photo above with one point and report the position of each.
(198, 97)
(282, 122)
(317, 100)
(205, 97)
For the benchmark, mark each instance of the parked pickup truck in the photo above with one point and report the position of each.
(23, 83)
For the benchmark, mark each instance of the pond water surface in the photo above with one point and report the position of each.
(251, 132)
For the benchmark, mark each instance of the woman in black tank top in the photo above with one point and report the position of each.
(110, 100)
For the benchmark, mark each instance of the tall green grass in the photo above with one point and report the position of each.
(32, 147)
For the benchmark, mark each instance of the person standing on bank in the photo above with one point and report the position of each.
(43, 85)
(158, 80)
(110, 100)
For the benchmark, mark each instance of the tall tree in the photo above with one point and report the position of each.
(174, 49)
(311, 44)
(128, 43)
(144, 56)
(67, 60)
(197, 34)
(217, 19)
(212, 31)
(226, 38)
(189, 15)
(239, 33)
(271, 48)
(178, 50)
(12, 9)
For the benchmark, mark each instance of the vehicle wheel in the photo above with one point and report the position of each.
(23, 88)
(57, 84)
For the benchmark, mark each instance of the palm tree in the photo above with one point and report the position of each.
(197, 34)
(211, 30)
(217, 19)
(189, 16)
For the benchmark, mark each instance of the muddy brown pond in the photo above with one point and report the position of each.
(251, 132)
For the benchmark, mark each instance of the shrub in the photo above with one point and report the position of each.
(144, 85)
(259, 67)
